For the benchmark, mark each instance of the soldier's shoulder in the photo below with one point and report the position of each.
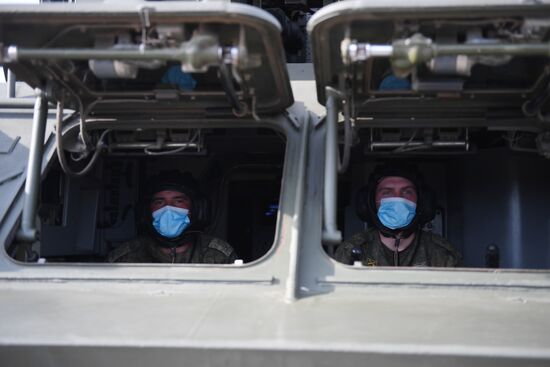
(442, 245)
(125, 251)
(343, 252)
(214, 243)
(215, 251)
(440, 242)
(361, 238)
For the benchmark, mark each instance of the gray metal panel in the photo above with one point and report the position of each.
(77, 234)
(108, 323)
(271, 269)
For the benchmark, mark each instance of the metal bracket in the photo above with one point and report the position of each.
(292, 118)
(145, 24)
(11, 84)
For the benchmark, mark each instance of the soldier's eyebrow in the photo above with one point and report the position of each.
(182, 196)
(391, 187)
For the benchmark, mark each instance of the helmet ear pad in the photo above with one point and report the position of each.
(425, 209)
(361, 205)
(199, 212)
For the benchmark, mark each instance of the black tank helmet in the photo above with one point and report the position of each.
(366, 199)
(184, 183)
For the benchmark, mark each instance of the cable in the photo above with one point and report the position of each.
(348, 139)
(59, 147)
(173, 151)
(239, 108)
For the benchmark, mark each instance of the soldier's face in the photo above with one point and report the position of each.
(172, 198)
(395, 186)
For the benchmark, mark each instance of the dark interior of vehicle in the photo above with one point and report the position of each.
(238, 170)
(492, 197)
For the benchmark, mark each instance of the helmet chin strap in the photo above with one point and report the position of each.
(396, 251)
(173, 254)
(173, 242)
(395, 233)
(398, 236)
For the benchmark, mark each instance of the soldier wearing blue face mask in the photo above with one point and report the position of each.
(396, 204)
(172, 217)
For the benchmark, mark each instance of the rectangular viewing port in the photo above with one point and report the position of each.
(234, 192)
(489, 194)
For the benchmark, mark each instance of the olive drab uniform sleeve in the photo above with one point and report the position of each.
(215, 251)
(428, 249)
(355, 249)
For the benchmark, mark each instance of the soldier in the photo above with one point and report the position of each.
(398, 205)
(172, 215)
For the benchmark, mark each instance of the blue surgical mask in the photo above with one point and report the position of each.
(396, 212)
(171, 221)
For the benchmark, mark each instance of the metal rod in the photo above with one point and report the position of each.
(348, 139)
(170, 54)
(399, 144)
(151, 145)
(364, 51)
(419, 53)
(11, 84)
(330, 230)
(541, 49)
(28, 231)
(195, 55)
(292, 288)
(16, 103)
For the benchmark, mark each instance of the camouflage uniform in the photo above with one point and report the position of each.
(204, 249)
(427, 249)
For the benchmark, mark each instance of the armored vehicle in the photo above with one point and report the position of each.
(282, 153)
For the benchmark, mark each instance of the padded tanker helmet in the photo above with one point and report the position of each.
(366, 199)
